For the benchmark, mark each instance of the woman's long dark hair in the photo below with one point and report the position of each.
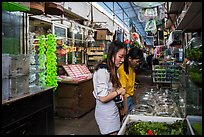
(134, 53)
(114, 47)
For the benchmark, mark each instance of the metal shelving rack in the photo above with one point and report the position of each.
(165, 74)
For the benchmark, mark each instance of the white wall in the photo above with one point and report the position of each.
(80, 8)
(83, 9)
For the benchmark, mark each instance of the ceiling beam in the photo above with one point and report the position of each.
(144, 34)
(114, 12)
(122, 9)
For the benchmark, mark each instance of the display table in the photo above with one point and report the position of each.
(74, 99)
(29, 113)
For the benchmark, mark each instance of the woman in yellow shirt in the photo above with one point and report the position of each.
(127, 76)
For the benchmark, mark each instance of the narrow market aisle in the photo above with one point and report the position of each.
(85, 125)
(145, 83)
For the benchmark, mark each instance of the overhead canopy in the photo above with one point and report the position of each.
(129, 13)
(148, 4)
(14, 6)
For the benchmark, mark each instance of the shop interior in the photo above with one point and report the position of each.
(50, 50)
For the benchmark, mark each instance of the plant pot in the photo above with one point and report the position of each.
(37, 8)
(53, 9)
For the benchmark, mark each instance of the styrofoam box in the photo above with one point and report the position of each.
(6, 61)
(132, 118)
(13, 87)
(191, 120)
(15, 65)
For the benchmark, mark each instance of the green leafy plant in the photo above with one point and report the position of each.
(156, 128)
(47, 60)
(136, 44)
(41, 59)
(196, 76)
(51, 61)
(194, 54)
(197, 127)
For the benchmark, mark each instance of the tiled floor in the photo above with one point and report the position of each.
(86, 125)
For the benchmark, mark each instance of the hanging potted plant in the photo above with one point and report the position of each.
(51, 61)
(37, 8)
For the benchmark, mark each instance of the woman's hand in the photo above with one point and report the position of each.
(122, 97)
(121, 91)
(112, 94)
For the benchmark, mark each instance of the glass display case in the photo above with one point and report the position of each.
(191, 80)
(192, 94)
(163, 102)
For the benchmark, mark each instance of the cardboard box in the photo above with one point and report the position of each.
(131, 118)
(103, 34)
